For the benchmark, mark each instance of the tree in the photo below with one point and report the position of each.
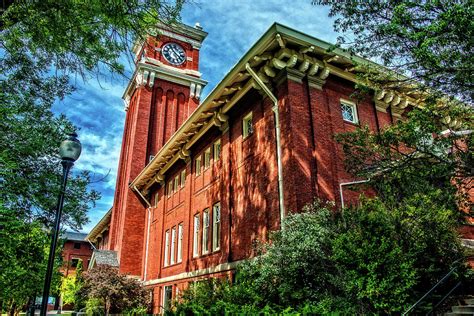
(44, 47)
(116, 292)
(429, 42)
(369, 259)
(71, 286)
(24, 249)
(428, 50)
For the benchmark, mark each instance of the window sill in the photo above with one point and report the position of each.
(352, 123)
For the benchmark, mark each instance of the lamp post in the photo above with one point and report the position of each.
(69, 151)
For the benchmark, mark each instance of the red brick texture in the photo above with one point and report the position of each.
(84, 253)
(243, 180)
(153, 116)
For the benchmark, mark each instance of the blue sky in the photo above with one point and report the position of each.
(233, 26)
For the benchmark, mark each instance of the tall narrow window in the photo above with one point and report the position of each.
(247, 125)
(198, 165)
(180, 242)
(157, 199)
(170, 188)
(176, 184)
(167, 246)
(207, 158)
(216, 227)
(173, 243)
(205, 232)
(217, 150)
(183, 177)
(167, 297)
(196, 236)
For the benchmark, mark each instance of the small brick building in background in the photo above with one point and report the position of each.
(199, 182)
(76, 248)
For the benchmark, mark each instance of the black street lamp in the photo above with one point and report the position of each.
(69, 151)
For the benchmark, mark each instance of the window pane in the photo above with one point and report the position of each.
(207, 158)
(217, 150)
(216, 229)
(167, 297)
(167, 246)
(198, 165)
(247, 125)
(180, 242)
(176, 183)
(170, 188)
(173, 242)
(349, 112)
(183, 177)
(205, 232)
(196, 236)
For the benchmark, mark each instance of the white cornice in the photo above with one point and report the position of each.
(223, 267)
(278, 49)
(147, 73)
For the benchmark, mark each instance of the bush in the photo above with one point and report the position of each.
(367, 259)
(116, 292)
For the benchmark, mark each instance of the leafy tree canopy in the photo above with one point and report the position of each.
(430, 42)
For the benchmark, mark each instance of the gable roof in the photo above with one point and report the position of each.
(74, 236)
(279, 48)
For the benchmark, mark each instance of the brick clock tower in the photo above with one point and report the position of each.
(164, 91)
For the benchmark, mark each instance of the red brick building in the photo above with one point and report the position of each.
(76, 249)
(199, 182)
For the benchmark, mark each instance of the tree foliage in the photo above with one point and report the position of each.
(428, 46)
(71, 286)
(44, 47)
(23, 261)
(430, 42)
(116, 292)
(370, 259)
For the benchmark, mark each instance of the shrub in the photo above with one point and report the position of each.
(116, 292)
(369, 259)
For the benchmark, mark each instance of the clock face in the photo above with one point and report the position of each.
(174, 53)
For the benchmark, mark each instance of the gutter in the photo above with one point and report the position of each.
(347, 184)
(278, 139)
(140, 194)
(92, 245)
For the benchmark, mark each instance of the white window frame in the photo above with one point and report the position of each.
(198, 165)
(205, 231)
(247, 129)
(173, 245)
(165, 302)
(217, 150)
(353, 106)
(207, 158)
(176, 183)
(196, 235)
(167, 245)
(180, 243)
(170, 188)
(183, 178)
(157, 199)
(216, 226)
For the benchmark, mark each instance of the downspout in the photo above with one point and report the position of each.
(278, 138)
(346, 184)
(146, 243)
(148, 229)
